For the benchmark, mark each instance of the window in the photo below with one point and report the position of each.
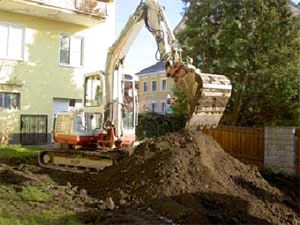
(154, 85)
(153, 107)
(9, 101)
(70, 52)
(164, 84)
(145, 86)
(163, 107)
(93, 91)
(11, 42)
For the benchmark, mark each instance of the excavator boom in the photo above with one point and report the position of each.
(207, 94)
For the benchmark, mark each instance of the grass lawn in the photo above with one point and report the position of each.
(12, 151)
(29, 203)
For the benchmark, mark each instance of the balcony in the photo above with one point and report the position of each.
(83, 12)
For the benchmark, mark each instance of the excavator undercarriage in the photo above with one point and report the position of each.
(80, 161)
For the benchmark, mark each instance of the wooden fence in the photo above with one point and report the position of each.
(297, 151)
(246, 144)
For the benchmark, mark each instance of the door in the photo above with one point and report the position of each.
(33, 129)
(60, 105)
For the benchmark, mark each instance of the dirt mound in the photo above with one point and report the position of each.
(188, 177)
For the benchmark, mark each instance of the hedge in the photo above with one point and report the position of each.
(155, 125)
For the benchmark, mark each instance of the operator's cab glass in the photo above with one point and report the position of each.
(93, 95)
(128, 107)
(129, 103)
(86, 122)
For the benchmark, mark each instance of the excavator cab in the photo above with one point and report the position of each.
(130, 108)
(94, 88)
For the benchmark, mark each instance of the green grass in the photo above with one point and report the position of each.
(37, 194)
(17, 201)
(16, 207)
(18, 151)
(56, 215)
(8, 221)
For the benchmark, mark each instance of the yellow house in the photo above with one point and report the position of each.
(154, 88)
(46, 46)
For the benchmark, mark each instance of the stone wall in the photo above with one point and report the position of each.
(279, 154)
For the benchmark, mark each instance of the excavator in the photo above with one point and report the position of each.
(103, 131)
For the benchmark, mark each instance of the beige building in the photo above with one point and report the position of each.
(154, 88)
(46, 46)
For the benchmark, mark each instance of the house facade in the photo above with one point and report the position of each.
(154, 88)
(46, 47)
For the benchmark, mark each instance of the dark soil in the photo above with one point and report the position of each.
(185, 177)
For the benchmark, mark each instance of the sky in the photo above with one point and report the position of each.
(142, 52)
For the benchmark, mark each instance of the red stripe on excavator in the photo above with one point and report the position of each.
(84, 140)
(128, 139)
(74, 139)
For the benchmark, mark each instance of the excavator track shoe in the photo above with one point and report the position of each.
(75, 160)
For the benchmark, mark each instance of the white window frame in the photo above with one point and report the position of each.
(152, 85)
(7, 44)
(161, 84)
(70, 50)
(144, 86)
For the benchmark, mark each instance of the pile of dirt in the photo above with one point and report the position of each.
(185, 177)
(189, 178)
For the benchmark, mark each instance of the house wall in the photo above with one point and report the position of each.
(158, 96)
(42, 77)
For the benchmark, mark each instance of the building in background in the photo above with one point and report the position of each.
(46, 46)
(154, 88)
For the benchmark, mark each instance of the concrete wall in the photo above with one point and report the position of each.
(279, 154)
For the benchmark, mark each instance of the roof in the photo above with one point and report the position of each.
(295, 10)
(128, 76)
(152, 69)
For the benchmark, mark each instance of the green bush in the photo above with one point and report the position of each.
(155, 125)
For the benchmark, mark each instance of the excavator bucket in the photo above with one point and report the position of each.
(207, 96)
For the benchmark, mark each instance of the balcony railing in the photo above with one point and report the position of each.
(83, 12)
(90, 7)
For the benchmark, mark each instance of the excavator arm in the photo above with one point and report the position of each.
(207, 94)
